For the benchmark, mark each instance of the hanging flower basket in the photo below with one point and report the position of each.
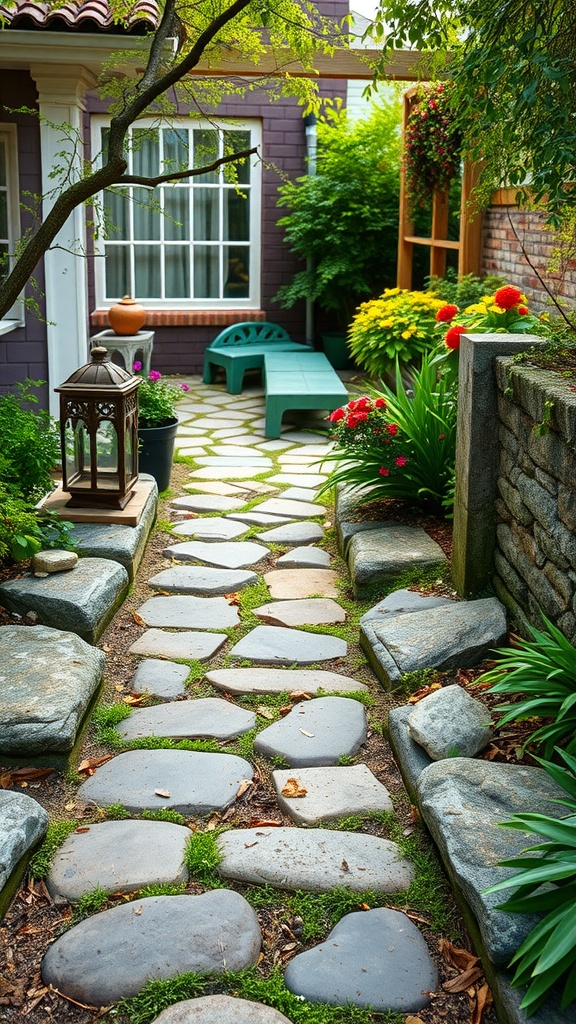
(432, 145)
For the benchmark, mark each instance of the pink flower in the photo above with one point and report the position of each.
(400, 460)
(154, 375)
(383, 471)
(184, 387)
(137, 366)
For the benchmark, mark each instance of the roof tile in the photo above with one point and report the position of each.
(86, 14)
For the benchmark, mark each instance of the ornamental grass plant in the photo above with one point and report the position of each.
(398, 327)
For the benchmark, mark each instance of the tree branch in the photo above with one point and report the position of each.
(136, 179)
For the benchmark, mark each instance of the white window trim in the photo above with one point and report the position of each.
(14, 318)
(253, 302)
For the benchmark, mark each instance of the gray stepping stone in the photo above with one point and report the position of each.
(206, 503)
(306, 437)
(225, 461)
(163, 679)
(210, 423)
(48, 679)
(304, 558)
(376, 556)
(158, 937)
(229, 472)
(183, 450)
(210, 717)
(119, 856)
(330, 793)
(458, 635)
(463, 803)
(220, 1010)
(232, 555)
(215, 487)
(293, 509)
(187, 645)
(234, 451)
(288, 646)
(258, 518)
(84, 600)
(230, 417)
(276, 445)
(23, 823)
(196, 783)
(401, 602)
(293, 533)
(185, 612)
(212, 529)
(200, 579)
(299, 583)
(315, 733)
(377, 959)
(319, 450)
(450, 723)
(314, 860)
(300, 494)
(315, 611)
(299, 479)
(281, 680)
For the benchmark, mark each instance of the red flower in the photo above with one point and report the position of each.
(441, 437)
(523, 310)
(383, 471)
(380, 403)
(446, 314)
(351, 421)
(507, 297)
(400, 460)
(452, 337)
(361, 416)
(337, 415)
(392, 429)
(363, 403)
(351, 406)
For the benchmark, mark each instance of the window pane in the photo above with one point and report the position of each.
(177, 271)
(206, 151)
(175, 149)
(236, 216)
(147, 271)
(2, 164)
(235, 142)
(116, 215)
(237, 269)
(176, 203)
(206, 272)
(146, 215)
(117, 271)
(145, 156)
(206, 219)
(3, 216)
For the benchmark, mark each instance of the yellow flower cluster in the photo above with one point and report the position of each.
(399, 325)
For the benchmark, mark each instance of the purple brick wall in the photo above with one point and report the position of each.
(23, 351)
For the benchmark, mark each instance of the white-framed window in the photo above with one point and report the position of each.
(9, 218)
(189, 244)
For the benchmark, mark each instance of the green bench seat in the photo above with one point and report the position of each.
(302, 380)
(242, 347)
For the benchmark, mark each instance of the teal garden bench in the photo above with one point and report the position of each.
(243, 347)
(303, 380)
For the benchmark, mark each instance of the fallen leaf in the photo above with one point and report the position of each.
(243, 787)
(413, 1020)
(18, 776)
(263, 823)
(138, 619)
(483, 1001)
(162, 792)
(138, 911)
(265, 712)
(284, 711)
(84, 828)
(306, 733)
(233, 598)
(464, 980)
(289, 946)
(414, 814)
(293, 788)
(69, 806)
(419, 695)
(89, 764)
(457, 956)
(364, 906)
(299, 695)
(248, 846)
(344, 866)
(135, 698)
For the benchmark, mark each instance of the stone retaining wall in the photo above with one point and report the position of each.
(535, 553)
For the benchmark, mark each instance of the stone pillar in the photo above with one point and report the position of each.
(478, 457)
(61, 92)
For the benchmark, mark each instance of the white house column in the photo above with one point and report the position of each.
(61, 92)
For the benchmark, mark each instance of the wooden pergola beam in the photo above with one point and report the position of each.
(346, 63)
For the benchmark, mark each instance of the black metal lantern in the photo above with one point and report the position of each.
(98, 433)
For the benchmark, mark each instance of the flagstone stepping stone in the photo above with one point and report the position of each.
(376, 556)
(290, 584)
(187, 645)
(234, 555)
(230, 416)
(304, 558)
(450, 723)
(185, 612)
(299, 479)
(234, 472)
(276, 445)
(22, 823)
(315, 860)
(288, 646)
(319, 450)
(323, 794)
(211, 717)
(225, 425)
(84, 599)
(196, 783)
(376, 958)
(410, 757)
(47, 680)
(294, 509)
(184, 430)
(206, 503)
(293, 533)
(220, 1010)
(190, 452)
(163, 679)
(311, 612)
(281, 680)
(315, 733)
(113, 954)
(233, 451)
(211, 529)
(225, 461)
(244, 440)
(306, 437)
(119, 856)
(295, 458)
(215, 487)
(300, 494)
(200, 579)
(258, 518)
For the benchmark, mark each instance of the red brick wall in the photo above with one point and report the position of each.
(507, 233)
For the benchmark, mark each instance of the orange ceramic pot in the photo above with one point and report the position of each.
(127, 316)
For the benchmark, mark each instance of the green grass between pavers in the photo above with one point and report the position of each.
(56, 833)
(203, 856)
(117, 812)
(248, 984)
(161, 889)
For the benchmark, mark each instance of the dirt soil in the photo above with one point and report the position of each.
(33, 921)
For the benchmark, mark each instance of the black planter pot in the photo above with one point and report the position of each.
(336, 350)
(156, 451)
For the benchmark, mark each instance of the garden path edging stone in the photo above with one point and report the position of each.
(23, 822)
(449, 723)
(123, 544)
(378, 556)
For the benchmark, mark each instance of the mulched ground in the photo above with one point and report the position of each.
(33, 920)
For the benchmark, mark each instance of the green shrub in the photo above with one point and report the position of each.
(543, 670)
(545, 883)
(18, 527)
(30, 443)
(399, 326)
